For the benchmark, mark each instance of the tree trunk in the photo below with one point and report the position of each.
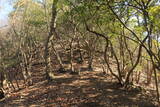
(79, 50)
(57, 56)
(71, 56)
(49, 74)
(156, 83)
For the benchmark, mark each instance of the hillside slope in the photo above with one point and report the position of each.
(89, 89)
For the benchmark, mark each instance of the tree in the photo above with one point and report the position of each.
(48, 44)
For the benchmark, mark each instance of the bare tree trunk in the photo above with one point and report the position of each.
(156, 83)
(71, 56)
(149, 72)
(49, 74)
(57, 56)
(91, 51)
(90, 61)
(79, 50)
(26, 67)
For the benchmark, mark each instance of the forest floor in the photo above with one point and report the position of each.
(89, 89)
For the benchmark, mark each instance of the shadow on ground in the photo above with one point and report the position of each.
(89, 89)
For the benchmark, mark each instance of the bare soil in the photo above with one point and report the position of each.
(89, 89)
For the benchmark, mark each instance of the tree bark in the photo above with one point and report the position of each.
(47, 57)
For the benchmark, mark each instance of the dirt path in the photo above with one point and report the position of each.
(89, 89)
